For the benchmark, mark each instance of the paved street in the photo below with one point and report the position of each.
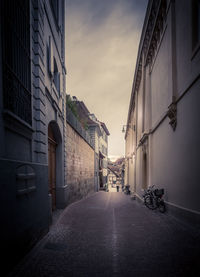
(108, 234)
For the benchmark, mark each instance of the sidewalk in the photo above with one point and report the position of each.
(108, 234)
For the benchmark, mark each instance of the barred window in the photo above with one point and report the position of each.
(16, 58)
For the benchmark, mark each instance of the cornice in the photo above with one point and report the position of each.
(150, 37)
(154, 29)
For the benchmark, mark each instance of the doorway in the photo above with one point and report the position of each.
(144, 170)
(52, 166)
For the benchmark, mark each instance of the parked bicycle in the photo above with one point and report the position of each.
(126, 190)
(153, 199)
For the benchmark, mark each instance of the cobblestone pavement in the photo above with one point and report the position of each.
(108, 234)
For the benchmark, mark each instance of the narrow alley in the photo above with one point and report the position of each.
(99, 103)
(109, 234)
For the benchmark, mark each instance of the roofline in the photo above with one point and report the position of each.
(84, 107)
(97, 126)
(105, 128)
(148, 12)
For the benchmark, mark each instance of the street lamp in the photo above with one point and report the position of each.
(130, 126)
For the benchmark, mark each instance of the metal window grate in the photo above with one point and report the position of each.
(16, 58)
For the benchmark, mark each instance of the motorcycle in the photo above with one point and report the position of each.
(153, 199)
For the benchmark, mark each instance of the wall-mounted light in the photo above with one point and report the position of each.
(129, 126)
(128, 158)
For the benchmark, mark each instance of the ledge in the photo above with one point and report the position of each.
(11, 121)
(26, 176)
(26, 190)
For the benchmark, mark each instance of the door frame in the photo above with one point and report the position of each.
(52, 144)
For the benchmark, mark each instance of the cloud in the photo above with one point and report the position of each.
(102, 41)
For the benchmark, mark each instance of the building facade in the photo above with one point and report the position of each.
(99, 135)
(163, 120)
(32, 120)
(118, 167)
(103, 154)
(112, 177)
(98, 139)
(95, 134)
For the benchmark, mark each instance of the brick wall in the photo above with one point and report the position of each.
(79, 165)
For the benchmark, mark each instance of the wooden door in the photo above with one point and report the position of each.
(52, 168)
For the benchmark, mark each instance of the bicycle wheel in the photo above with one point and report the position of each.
(148, 201)
(162, 207)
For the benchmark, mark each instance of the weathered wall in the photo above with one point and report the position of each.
(169, 157)
(79, 165)
(139, 113)
(161, 83)
(130, 155)
(188, 58)
(178, 172)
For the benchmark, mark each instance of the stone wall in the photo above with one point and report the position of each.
(79, 165)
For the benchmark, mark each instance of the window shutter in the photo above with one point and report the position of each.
(50, 56)
(57, 80)
(61, 82)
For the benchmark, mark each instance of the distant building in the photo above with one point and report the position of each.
(99, 134)
(95, 133)
(118, 167)
(103, 154)
(112, 177)
(99, 139)
(162, 135)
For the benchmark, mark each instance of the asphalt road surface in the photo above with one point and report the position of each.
(108, 234)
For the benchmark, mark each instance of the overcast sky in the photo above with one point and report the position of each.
(102, 38)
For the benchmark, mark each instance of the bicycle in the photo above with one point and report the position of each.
(153, 199)
(126, 190)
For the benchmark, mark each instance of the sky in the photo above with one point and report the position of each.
(102, 38)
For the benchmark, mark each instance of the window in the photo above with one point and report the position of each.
(195, 23)
(16, 58)
(56, 76)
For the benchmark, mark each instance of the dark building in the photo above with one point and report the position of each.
(32, 125)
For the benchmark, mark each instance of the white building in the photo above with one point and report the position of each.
(103, 150)
(95, 134)
(32, 120)
(99, 135)
(162, 135)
